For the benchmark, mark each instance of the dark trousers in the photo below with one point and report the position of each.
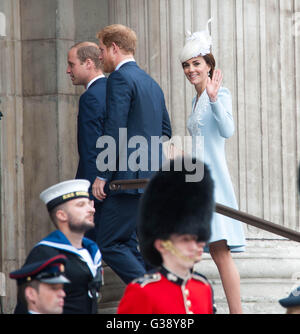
(116, 236)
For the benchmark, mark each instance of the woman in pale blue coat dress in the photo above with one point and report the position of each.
(212, 118)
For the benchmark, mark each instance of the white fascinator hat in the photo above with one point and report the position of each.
(197, 44)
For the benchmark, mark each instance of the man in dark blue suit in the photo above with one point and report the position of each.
(136, 118)
(84, 68)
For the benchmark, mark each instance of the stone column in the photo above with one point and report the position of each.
(51, 105)
(12, 240)
(43, 45)
(50, 100)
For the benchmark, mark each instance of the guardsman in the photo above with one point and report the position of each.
(72, 213)
(174, 224)
(41, 285)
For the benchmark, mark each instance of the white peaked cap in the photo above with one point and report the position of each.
(197, 44)
(65, 191)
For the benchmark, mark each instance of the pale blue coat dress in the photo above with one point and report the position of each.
(214, 122)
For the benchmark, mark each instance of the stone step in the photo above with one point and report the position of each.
(259, 296)
(269, 270)
(108, 308)
(111, 292)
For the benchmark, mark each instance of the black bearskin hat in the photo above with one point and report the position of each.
(172, 205)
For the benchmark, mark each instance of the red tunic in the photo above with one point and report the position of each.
(166, 293)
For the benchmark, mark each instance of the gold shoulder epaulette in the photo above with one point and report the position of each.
(147, 279)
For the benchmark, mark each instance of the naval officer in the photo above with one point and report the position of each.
(41, 285)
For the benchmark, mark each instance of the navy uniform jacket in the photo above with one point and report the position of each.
(90, 127)
(134, 102)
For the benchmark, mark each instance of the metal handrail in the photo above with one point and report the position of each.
(221, 209)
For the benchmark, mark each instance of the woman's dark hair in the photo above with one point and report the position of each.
(211, 62)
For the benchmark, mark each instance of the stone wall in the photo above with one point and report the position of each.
(50, 101)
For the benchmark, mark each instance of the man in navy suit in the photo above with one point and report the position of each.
(136, 112)
(84, 68)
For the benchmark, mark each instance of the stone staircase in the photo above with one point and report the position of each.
(111, 292)
(269, 270)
